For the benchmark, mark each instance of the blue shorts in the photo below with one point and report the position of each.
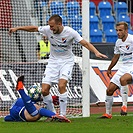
(17, 113)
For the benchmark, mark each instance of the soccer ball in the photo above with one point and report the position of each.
(34, 92)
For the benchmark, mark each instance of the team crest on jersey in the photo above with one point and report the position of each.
(64, 40)
(127, 47)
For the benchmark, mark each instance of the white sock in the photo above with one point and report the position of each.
(48, 101)
(108, 104)
(124, 95)
(63, 103)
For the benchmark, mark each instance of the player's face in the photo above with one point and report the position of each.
(121, 32)
(55, 27)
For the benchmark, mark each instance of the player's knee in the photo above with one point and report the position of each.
(109, 92)
(62, 88)
(45, 92)
(122, 81)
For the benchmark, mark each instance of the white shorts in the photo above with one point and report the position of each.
(130, 71)
(121, 71)
(58, 69)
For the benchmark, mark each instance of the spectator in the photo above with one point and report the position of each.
(43, 49)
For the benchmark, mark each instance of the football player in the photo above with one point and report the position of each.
(25, 109)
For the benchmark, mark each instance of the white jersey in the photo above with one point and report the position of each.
(61, 44)
(125, 49)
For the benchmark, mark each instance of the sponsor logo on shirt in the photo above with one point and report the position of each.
(127, 47)
(64, 40)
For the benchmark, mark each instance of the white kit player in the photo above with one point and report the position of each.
(124, 50)
(61, 59)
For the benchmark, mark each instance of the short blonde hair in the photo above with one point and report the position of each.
(123, 23)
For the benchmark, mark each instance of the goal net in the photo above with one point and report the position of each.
(18, 52)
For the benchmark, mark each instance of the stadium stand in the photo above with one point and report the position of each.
(110, 35)
(108, 22)
(94, 22)
(96, 35)
(76, 22)
(130, 31)
(124, 17)
(65, 20)
(92, 8)
(98, 1)
(120, 8)
(57, 7)
(73, 8)
(104, 8)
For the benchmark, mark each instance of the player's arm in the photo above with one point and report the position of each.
(24, 28)
(90, 47)
(112, 64)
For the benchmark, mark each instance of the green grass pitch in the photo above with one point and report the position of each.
(118, 124)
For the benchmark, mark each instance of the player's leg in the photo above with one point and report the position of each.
(125, 80)
(48, 101)
(65, 76)
(113, 86)
(33, 112)
(124, 95)
(63, 96)
(41, 112)
(51, 74)
(109, 100)
(46, 113)
(26, 99)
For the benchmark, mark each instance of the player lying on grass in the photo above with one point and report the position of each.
(26, 109)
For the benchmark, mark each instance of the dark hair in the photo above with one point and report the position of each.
(56, 17)
(123, 23)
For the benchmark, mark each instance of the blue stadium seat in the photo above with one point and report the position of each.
(130, 31)
(80, 32)
(110, 35)
(73, 8)
(108, 22)
(104, 8)
(47, 18)
(125, 18)
(120, 8)
(92, 8)
(43, 4)
(76, 22)
(94, 22)
(64, 19)
(96, 35)
(57, 7)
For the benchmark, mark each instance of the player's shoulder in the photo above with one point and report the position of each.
(130, 36)
(67, 28)
(41, 28)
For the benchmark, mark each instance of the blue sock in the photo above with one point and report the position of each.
(28, 103)
(46, 112)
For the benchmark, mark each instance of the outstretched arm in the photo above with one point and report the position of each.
(90, 47)
(24, 28)
(112, 64)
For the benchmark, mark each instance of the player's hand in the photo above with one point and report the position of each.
(109, 74)
(55, 100)
(100, 55)
(11, 30)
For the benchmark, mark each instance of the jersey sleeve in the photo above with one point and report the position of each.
(116, 48)
(43, 30)
(77, 37)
